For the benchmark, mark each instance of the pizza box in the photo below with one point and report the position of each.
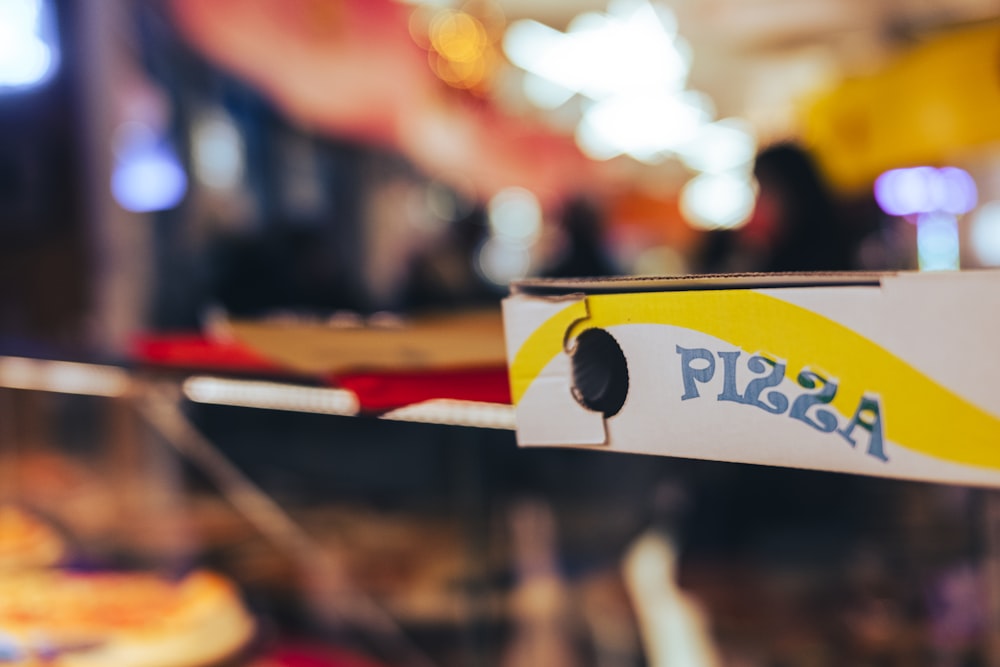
(892, 375)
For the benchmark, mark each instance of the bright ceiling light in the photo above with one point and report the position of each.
(642, 126)
(632, 48)
(29, 47)
(543, 93)
(631, 68)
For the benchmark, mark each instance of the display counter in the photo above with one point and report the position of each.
(423, 535)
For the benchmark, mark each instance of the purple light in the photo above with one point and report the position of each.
(960, 195)
(903, 192)
(149, 179)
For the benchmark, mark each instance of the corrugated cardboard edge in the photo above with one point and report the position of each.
(552, 287)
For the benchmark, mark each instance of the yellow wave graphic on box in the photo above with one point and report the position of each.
(918, 413)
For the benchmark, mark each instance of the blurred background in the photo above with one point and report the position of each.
(165, 164)
(165, 158)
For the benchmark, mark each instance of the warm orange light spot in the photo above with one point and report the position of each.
(458, 37)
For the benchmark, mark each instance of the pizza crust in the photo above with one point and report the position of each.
(63, 619)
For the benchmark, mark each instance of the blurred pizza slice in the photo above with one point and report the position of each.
(27, 541)
(68, 619)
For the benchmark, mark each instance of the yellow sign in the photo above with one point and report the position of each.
(936, 102)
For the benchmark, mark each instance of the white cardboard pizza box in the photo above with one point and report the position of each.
(894, 375)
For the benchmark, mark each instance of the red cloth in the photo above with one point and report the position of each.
(382, 391)
(377, 391)
(301, 655)
(195, 352)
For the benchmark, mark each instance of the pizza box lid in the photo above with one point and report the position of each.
(886, 374)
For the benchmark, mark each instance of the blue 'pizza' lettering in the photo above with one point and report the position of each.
(698, 370)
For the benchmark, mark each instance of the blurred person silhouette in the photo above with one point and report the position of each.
(795, 224)
(720, 251)
(282, 268)
(443, 275)
(584, 253)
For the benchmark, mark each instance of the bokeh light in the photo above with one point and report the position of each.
(515, 216)
(937, 242)
(630, 68)
(915, 190)
(147, 174)
(956, 190)
(660, 260)
(501, 261)
(218, 152)
(720, 146)
(457, 36)
(461, 43)
(984, 234)
(29, 48)
(717, 201)
(644, 126)
(545, 94)
(631, 48)
(444, 203)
